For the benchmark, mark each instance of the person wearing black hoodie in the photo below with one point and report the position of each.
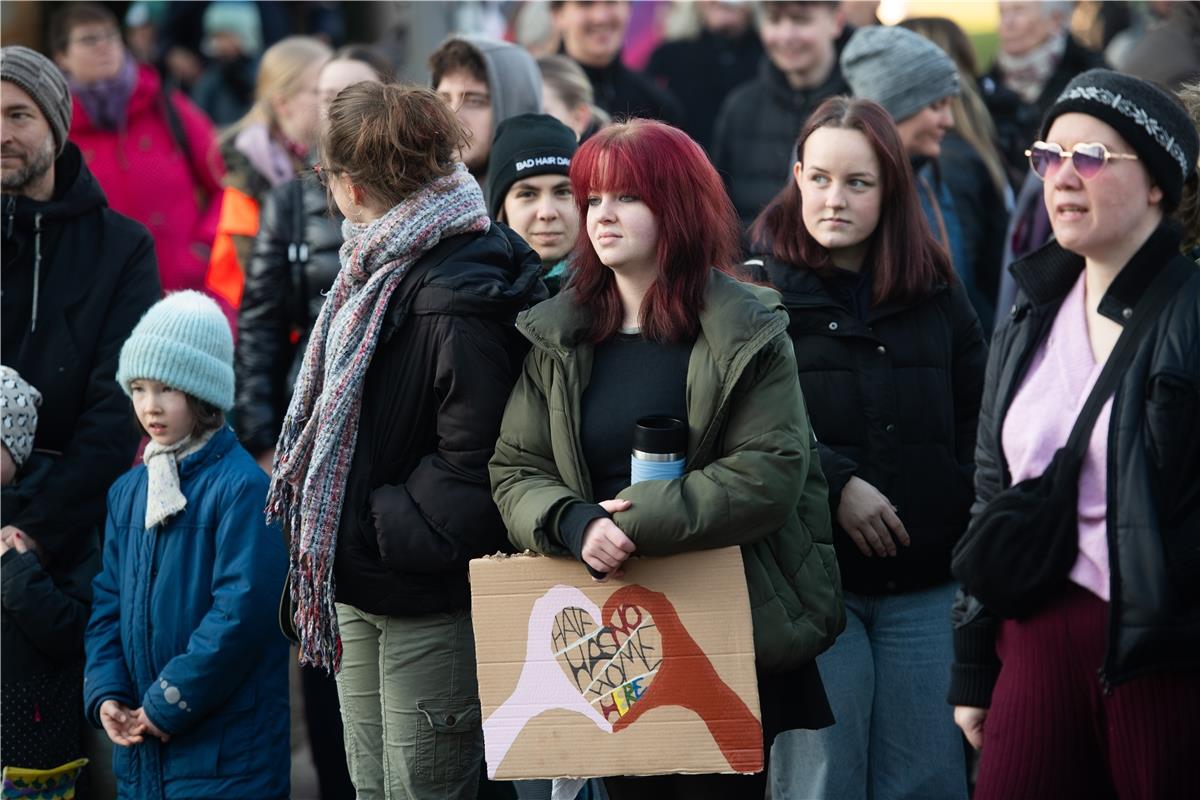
(592, 34)
(702, 70)
(77, 276)
(757, 125)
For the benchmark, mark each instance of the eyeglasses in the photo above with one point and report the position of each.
(322, 175)
(1088, 159)
(95, 39)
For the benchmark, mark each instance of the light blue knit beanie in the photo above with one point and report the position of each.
(183, 341)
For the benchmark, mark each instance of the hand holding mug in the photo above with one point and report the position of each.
(605, 546)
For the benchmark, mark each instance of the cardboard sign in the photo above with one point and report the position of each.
(648, 674)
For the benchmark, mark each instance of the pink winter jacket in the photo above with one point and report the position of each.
(146, 176)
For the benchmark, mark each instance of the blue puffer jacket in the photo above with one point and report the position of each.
(184, 624)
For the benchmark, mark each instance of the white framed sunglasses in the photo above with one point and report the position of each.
(1088, 158)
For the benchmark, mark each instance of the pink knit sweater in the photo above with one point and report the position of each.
(1039, 421)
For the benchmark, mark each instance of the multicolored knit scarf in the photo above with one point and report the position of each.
(316, 447)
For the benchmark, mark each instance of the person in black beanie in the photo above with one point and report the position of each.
(1096, 692)
(529, 189)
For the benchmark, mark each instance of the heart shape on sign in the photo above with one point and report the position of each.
(612, 666)
(641, 658)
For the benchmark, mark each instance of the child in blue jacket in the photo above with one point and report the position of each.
(186, 668)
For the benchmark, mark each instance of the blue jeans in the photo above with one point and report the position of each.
(886, 676)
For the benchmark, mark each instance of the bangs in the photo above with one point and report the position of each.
(612, 163)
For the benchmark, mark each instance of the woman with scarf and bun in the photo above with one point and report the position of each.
(380, 474)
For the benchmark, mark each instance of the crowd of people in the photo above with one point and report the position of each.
(287, 342)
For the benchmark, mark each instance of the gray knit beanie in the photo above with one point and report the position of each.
(901, 70)
(42, 80)
(18, 414)
(183, 341)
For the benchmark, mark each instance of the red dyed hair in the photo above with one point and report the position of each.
(908, 262)
(697, 226)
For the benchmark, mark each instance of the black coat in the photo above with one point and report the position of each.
(624, 93)
(418, 503)
(982, 220)
(96, 278)
(702, 71)
(45, 612)
(295, 262)
(1153, 467)
(893, 393)
(1018, 122)
(756, 131)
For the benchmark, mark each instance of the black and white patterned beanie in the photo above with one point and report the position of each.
(18, 414)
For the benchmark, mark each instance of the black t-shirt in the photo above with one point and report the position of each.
(632, 377)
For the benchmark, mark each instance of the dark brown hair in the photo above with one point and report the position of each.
(908, 262)
(390, 139)
(71, 16)
(455, 55)
(697, 226)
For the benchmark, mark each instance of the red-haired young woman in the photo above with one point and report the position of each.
(654, 324)
(891, 359)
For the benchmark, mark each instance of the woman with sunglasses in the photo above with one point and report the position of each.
(891, 357)
(1096, 693)
(380, 474)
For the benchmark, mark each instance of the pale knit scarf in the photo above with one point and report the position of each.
(269, 157)
(316, 447)
(1028, 74)
(164, 499)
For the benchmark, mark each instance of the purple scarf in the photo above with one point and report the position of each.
(106, 101)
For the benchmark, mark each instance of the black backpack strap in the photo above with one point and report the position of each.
(171, 113)
(1145, 313)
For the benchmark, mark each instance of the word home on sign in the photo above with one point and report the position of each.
(649, 674)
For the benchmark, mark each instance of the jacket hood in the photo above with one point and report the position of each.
(491, 274)
(76, 192)
(734, 315)
(514, 82)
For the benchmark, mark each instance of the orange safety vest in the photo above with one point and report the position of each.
(226, 276)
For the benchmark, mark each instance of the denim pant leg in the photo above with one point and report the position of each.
(916, 749)
(429, 735)
(832, 762)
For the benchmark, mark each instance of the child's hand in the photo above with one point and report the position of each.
(23, 543)
(120, 723)
(143, 719)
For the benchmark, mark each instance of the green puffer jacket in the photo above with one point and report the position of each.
(753, 476)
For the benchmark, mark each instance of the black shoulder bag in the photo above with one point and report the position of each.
(1017, 552)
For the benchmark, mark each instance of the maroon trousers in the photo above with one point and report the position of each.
(1053, 732)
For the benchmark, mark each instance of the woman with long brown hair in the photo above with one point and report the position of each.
(891, 359)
